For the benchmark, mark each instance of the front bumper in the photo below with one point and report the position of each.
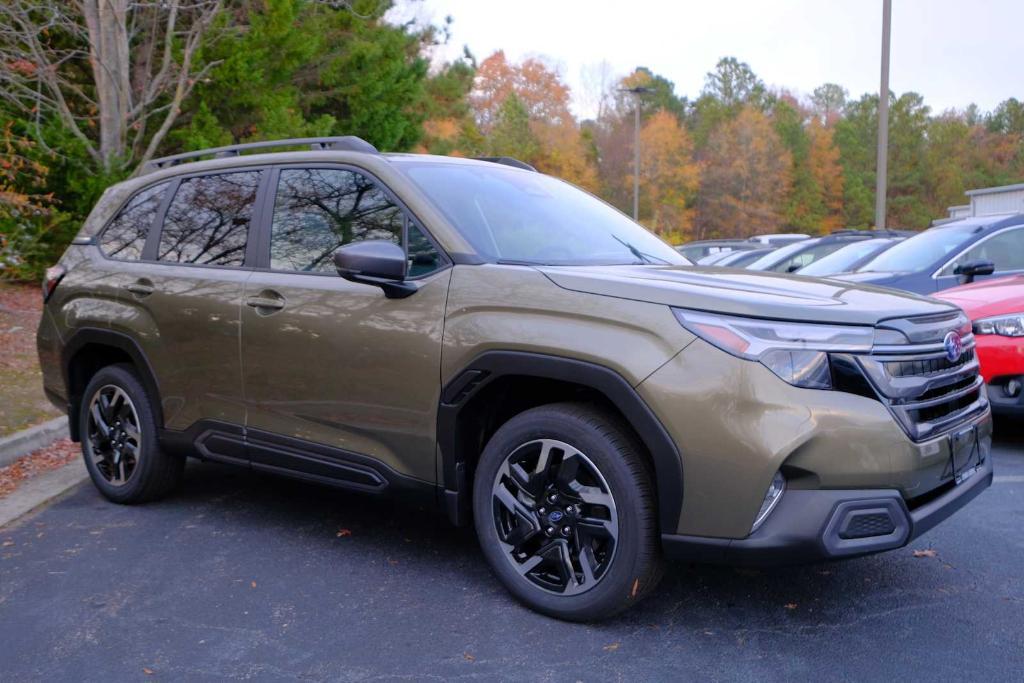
(828, 524)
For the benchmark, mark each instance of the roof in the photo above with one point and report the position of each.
(995, 190)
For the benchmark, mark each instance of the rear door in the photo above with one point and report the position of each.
(186, 294)
(333, 363)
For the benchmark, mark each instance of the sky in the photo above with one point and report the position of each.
(953, 52)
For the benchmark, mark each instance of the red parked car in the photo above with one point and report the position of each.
(997, 309)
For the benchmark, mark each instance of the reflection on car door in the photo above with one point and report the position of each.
(334, 362)
(186, 304)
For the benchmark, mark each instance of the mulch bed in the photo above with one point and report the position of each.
(52, 457)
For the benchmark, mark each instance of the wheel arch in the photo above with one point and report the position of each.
(468, 413)
(88, 350)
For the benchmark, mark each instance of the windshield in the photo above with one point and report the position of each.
(842, 260)
(773, 258)
(514, 216)
(921, 251)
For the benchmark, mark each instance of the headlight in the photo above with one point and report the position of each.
(1006, 325)
(796, 352)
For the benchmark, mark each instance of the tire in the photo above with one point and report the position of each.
(523, 491)
(123, 458)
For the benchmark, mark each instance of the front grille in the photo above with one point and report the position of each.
(930, 366)
(928, 394)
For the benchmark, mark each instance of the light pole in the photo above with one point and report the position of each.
(637, 92)
(882, 166)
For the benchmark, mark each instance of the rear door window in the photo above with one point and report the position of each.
(126, 235)
(207, 222)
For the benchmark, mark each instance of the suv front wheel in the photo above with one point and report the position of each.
(565, 512)
(119, 441)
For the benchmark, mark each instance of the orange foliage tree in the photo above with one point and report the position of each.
(669, 176)
(745, 178)
(556, 145)
(827, 174)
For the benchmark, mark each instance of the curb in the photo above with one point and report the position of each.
(32, 439)
(41, 490)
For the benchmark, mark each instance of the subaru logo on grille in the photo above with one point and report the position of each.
(555, 517)
(954, 346)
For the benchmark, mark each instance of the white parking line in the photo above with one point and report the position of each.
(1009, 479)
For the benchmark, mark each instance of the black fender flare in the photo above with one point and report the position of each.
(491, 365)
(85, 336)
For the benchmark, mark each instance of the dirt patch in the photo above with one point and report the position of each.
(22, 402)
(52, 457)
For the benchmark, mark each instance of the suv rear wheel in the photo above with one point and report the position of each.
(119, 442)
(565, 512)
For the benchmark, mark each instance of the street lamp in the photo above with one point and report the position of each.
(636, 92)
(882, 165)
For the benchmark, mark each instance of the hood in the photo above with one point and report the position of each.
(988, 298)
(745, 292)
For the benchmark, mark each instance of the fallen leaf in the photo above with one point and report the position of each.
(8, 543)
(343, 532)
(791, 605)
(392, 562)
(148, 672)
(611, 648)
(253, 584)
(925, 553)
(468, 657)
(636, 587)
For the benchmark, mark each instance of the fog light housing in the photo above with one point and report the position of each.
(771, 499)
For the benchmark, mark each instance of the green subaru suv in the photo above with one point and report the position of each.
(484, 338)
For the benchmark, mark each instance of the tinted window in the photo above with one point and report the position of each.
(208, 220)
(423, 255)
(126, 235)
(1005, 250)
(318, 210)
(517, 216)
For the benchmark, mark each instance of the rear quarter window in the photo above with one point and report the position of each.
(125, 236)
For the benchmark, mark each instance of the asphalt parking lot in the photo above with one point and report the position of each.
(245, 576)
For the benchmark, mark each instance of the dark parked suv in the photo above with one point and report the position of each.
(478, 336)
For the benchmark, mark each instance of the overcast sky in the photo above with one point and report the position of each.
(953, 52)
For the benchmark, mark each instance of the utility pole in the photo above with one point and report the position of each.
(636, 92)
(882, 166)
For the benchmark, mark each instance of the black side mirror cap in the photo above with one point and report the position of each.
(375, 262)
(971, 269)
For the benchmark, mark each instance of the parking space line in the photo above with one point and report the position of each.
(1009, 479)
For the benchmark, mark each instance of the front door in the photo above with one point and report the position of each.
(1005, 249)
(330, 361)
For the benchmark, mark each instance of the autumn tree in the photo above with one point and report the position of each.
(744, 180)
(541, 92)
(731, 87)
(669, 176)
(510, 100)
(113, 73)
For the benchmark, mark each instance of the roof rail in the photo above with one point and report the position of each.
(508, 161)
(349, 143)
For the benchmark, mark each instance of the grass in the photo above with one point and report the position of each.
(22, 402)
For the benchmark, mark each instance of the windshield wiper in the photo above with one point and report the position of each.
(641, 256)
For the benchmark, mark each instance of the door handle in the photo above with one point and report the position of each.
(141, 288)
(266, 300)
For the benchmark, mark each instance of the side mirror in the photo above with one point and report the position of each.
(793, 268)
(375, 262)
(971, 269)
